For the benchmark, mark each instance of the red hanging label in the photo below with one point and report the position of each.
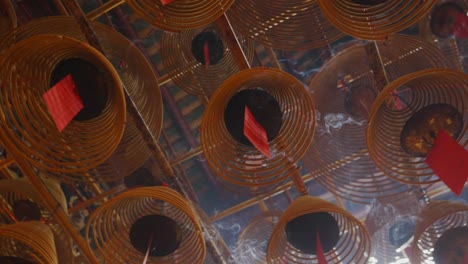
(165, 2)
(320, 255)
(461, 26)
(206, 52)
(255, 133)
(449, 161)
(63, 102)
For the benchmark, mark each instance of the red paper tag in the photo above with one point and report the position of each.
(255, 133)
(461, 26)
(63, 102)
(206, 52)
(165, 185)
(449, 161)
(165, 2)
(320, 255)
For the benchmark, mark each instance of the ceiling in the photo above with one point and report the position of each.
(329, 170)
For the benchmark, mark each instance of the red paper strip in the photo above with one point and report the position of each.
(165, 2)
(465, 259)
(206, 52)
(165, 185)
(461, 26)
(255, 133)
(449, 161)
(320, 255)
(63, 102)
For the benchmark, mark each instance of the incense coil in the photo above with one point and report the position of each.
(254, 238)
(375, 22)
(179, 15)
(436, 218)
(235, 162)
(108, 233)
(422, 88)
(188, 73)
(338, 155)
(135, 73)
(13, 191)
(80, 146)
(9, 21)
(286, 25)
(353, 246)
(31, 241)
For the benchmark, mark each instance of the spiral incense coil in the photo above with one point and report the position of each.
(398, 141)
(110, 228)
(29, 241)
(374, 21)
(343, 95)
(252, 242)
(287, 116)
(9, 21)
(352, 246)
(284, 24)
(27, 72)
(183, 58)
(181, 14)
(26, 205)
(437, 220)
(134, 71)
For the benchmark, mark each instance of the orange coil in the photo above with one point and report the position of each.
(109, 226)
(241, 165)
(134, 71)
(30, 241)
(284, 24)
(181, 14)
(353, 246)
(189, 74)
(434, 220)
(21, 193)
(338, 155)
(375, 22)
(26, 121)
(421, 89)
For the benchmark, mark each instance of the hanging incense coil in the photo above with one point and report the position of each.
(391, 223)
(376, 19)
(8, 20)
(26, 205)
(280, 104)
(286, 25)
(83, 144)
(343, 95)
(352, 245)
(399, 139)
(136, 74)
(442, 17)
(253, 241)
(32, 242)
(183, 58)
(178, 15)
(122, 228)
(441, 233)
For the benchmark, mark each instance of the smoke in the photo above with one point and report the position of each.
(335, 121)
(248, 251)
